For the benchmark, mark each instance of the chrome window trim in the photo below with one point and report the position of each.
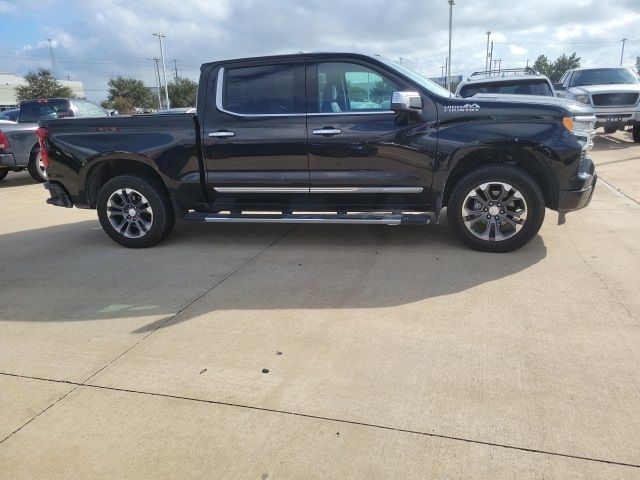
(219, 90)
(318, 114)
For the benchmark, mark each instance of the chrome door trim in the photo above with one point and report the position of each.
(219, 89)
(366, 190)
(222, 134)
(327, 131)
(261, 189)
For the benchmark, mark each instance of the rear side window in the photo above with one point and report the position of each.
(533, 87)
(264, 90)
(88, 109)
(32, 112)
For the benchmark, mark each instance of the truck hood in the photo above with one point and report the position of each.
(613, 87)
(573, 107)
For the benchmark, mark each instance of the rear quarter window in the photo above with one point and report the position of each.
(88, 109)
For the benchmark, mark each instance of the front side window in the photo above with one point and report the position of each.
(264, 90)
(36, 110)
(349, 87)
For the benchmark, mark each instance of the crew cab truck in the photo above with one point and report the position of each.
(327, 138)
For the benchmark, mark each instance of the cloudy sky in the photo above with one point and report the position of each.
(95, 40)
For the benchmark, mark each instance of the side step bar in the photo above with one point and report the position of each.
(347, 218)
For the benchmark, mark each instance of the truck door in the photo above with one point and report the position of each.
(254, 136)
(359, 153)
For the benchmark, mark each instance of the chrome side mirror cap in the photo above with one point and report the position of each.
(406, 102)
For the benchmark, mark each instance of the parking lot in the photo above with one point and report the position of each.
(312, 351)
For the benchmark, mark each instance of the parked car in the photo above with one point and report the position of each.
(11, 115)
(516, 81)
(613, 93)
(281, 135)
(20, 148)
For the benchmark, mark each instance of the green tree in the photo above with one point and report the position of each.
(41, 84)
(126, 94)
(554, 70)
(182, 93)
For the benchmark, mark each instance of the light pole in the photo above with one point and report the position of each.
(53, 63)
(156, 72)
(486, 63)
(624, 40)
(164, 70)
(451, 4)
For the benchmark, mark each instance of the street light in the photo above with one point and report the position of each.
(164, 70)
(486, 63)
(624, 40)
(451, 4)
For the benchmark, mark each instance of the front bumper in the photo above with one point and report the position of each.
(570, 200)
(59, 195)
(618, 118)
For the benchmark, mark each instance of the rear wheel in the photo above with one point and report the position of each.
(636, 133)
(3, 173)
(496, 208)
(135, 212)
(610, 129)
(36, 166)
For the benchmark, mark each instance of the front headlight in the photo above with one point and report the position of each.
(582, 126)
(582, 99)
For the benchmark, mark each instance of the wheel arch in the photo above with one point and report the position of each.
(108, 167)
(528, 158)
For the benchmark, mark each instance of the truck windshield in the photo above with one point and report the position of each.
(515, 87)
(34, 111)
(430, 85)
(603, 76)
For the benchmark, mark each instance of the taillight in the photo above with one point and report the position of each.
(42, 133)
(4, 141)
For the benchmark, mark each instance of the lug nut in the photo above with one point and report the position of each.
(497, 218)
(488, 217)
(486, 209)
(491, 204)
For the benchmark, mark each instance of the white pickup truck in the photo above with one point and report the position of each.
(613, 93)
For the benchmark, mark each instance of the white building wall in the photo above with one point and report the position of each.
(9, 82)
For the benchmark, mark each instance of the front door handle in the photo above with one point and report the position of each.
(327, 131)
(222, 134)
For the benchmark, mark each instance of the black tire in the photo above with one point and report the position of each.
(636, 133)
(610, 130)
(35, 166)
(3, 173)
(522, 182)
(158, 217)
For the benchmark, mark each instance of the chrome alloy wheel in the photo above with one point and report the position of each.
(494, 211)
(129, 213)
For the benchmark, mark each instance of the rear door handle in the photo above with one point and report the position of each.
(328, 131)
(222, 134)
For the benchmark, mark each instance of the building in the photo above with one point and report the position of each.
(9, 82)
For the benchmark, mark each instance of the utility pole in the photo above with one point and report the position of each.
(175, 68)
(156, 74)
(53, 63)
(400, 58)
(451, 4)
(164, 70)
(490, 57)
(486, 63)
(446, 72)
(442, 67)
(624, 40)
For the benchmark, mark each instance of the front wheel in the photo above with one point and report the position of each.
(135, 212)
(496, 208)
(636, 133)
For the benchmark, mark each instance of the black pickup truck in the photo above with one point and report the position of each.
(327, 138)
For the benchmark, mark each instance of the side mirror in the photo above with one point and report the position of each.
(406, 102)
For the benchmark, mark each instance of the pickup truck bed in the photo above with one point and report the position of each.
(319, 138)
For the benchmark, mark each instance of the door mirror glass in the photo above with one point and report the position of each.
(406, 102)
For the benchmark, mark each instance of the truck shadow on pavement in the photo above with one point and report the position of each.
(73, 272)
(615, 141)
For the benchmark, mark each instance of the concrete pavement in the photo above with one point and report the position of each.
(391, 352)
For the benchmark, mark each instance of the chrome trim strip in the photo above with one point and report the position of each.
(222, 134)
(388, 220)
(366, 190)
(219, 87)
(327, 131)
(262, 189)
(321, 114)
